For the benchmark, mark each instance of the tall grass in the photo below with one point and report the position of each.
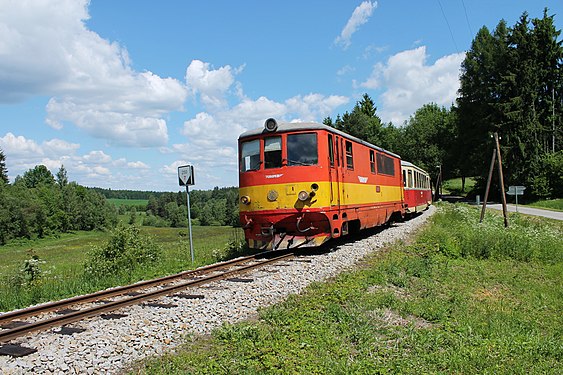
(551, 204)
(61, 270)
(458, 233)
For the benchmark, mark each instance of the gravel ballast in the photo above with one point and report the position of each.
(108, 346)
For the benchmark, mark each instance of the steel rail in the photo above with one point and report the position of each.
(117, 291)
(10, 334)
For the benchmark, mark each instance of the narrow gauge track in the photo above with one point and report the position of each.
(18, 330)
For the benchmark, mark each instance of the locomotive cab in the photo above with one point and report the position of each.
(281, 187)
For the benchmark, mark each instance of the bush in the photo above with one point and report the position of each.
(155, 221)
(126, 250)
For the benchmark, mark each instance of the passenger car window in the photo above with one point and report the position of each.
(272, 152)
(349, 156)
(250, 156)
(302, 149)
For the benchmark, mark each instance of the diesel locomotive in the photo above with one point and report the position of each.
(301, 184)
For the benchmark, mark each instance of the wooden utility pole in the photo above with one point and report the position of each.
(501, 182)
(488, 185)
(496, 155)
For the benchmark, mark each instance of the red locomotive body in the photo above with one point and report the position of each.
(303, 183)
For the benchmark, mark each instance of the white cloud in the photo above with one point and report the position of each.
(97, 157)
(18, 146)
(46, 49)
(137, 165)
(211, 85)
(410, 82)
(360, 16)
(95, 168)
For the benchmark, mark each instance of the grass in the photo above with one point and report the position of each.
(462, 297)
(62, 259)
(453, 186)
(551, 204)
(128, 202)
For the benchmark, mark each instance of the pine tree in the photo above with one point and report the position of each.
(3, 169)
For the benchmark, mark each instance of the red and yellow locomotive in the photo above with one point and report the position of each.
(303, 183)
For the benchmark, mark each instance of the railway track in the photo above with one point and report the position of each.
(14, 327)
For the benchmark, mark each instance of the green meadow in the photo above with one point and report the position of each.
(58, 268)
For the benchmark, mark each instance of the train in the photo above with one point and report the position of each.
(302, 184)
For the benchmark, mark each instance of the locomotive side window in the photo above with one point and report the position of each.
(302, 149)
(250, 156)
(410, 179)
(372, 160)
(404, 178)
(385, 165)
(330, 150)
(349, 156)
(272, 152)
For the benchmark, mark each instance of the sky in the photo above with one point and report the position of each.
(123, 92)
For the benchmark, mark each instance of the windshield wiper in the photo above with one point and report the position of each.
(298, 162)
(256, 167)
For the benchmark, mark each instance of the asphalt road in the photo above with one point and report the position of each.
(529, 211)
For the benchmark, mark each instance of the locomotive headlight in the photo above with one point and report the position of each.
(303, 196)
(245, 199)
(271, 125)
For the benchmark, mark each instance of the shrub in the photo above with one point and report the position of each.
(125, 251)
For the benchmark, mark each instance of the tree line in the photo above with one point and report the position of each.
(512, 84)
(207, 207)
(39, 204)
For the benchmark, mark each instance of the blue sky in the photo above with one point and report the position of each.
(123, 92)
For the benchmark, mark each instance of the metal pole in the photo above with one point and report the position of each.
(488, 185)
(190, 223)
(516, 201)
(501, 181)
(553, 119)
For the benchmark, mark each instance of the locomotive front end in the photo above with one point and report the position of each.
(283, 190)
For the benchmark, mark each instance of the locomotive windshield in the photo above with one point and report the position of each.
(250, 156)
(272, 152)
(302, 149)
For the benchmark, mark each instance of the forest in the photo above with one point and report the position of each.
(511, 82)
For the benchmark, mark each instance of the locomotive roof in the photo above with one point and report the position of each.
(409, 164)
(284, 127)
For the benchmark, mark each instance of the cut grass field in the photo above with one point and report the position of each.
(463, 297)
(62, 261)
(551, 204)
(453, 186)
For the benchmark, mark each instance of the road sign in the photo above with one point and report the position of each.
(186, 175)
(516, 190)
(186, 178)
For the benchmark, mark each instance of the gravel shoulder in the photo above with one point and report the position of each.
(109, 346)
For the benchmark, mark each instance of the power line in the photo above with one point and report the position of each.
(449, 28)
(467, 19)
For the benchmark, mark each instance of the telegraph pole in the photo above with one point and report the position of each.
(501, 182)
(496, 155)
